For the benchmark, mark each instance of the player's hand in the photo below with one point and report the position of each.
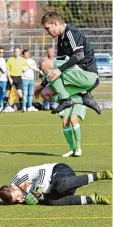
(54, 74)
(30, 199)
(37, 90)
(10, 81)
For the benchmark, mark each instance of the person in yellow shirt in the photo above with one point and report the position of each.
(15, 66)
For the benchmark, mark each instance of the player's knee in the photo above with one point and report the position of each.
(19, 92)
(65, 121)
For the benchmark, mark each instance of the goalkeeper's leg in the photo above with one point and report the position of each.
(77, 200)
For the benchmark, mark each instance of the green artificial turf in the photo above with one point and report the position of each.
(28, 139)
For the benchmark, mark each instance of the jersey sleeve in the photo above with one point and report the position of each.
(22, 181)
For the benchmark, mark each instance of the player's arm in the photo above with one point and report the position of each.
(75, 59)
(3, 67)
(34, 67)
(75, 40)
(8, 65)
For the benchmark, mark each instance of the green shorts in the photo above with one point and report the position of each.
(75, 79)
(77, 109)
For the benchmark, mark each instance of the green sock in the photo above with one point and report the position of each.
(77, 135)
(69, 137)
(77, 99)
(55, 98)
(58, 87)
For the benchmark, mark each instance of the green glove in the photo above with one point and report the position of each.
(30, 199)
(37, 192)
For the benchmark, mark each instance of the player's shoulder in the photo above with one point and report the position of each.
(22, 58)
(31, 60)
(72, 28)
(10, 59)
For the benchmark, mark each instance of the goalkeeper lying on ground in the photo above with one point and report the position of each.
(51, 184)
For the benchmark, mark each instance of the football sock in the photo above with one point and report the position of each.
(58, 87)
(77, 135)
(21, 102)
(55, 98)
(69, 137)
(5, 102)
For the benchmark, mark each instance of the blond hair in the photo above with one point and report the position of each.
(50, 17)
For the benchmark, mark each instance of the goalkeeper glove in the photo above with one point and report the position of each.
(30, 199)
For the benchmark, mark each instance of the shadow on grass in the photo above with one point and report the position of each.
(28, 153)
(44, 154)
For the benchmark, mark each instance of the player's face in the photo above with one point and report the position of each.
(1, 53)
(17, 52)
(50, 53)
(52, 28)
(17, 196)
(26, 54)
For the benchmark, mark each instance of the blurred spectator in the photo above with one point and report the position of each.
(15, 66)
(51, 55)
(3, 77)
(28, 82)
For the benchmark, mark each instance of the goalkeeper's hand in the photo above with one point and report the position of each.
(30, 199)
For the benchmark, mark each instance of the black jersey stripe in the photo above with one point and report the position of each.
(41, 176)
(21, 180)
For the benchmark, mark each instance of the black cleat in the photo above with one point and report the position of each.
(89, 101)
(64, 103)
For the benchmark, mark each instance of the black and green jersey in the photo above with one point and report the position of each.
(74, 44)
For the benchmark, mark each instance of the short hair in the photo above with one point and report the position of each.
(24, 51)
(1, 48)
(5, 194)
(17, 47)
(50, 17)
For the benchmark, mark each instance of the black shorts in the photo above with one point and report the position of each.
(60, 170)
(17, 82)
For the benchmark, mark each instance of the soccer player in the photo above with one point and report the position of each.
(15, 66)
(71, 126)
(28, 81)
(3, 76)
(73, 83)
(72, 43)
(72, 129)
(51, 184)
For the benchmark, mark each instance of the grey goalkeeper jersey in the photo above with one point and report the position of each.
(32, 177)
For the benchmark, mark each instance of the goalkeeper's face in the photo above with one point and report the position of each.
(17, 195)
(53, 28)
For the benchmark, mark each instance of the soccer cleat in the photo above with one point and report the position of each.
(98, 199)
(78, 152)
(8, 109)
(104, 175)
(68, 154)
(23, 110)
(32, 109)
(89, 101)
(64, 103)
